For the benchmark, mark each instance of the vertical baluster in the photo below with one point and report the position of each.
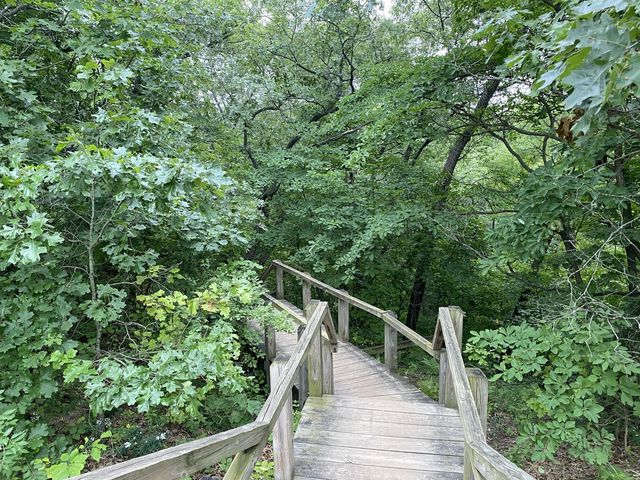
(303, 377)
(306, 293)
(314, 359)
(279, 283)
(343, 319)
(283, 430)
(447, 394)
(480, 390)
(391, 346)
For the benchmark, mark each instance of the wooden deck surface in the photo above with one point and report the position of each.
(375, 426)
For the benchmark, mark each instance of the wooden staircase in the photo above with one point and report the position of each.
(376, 425)
(359, 419)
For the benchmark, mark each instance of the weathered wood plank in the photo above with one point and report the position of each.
(445, 387)
(327, 367)
(480, 390)
(361, 382)
(314, 360)
(449, 397)
(382, 428)
(391, 406)
(279, 282)
(373, 392)
(303, 376)
(381, 442)
(327, 470)
(380, 458)
(306, 293)
(398, 418)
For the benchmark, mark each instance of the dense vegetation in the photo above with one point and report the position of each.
(153, 155)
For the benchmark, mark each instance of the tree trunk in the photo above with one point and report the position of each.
(455, 152)
(631, 247)
(573, 262)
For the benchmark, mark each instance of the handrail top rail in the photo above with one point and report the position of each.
(386, 315)
(180, 460)
(471, 424)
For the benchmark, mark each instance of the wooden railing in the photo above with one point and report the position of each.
(465, 389)
(248, 441)
(311, 363)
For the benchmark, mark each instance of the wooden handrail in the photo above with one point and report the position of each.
(385, 315)
(468, 413)
(481, 461)
(271, 408)
(176, 462)
(244, 461)
(181, 460)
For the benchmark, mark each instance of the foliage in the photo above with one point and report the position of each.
(113, 212)
(479, 153)
(264, 470)
(581, 370)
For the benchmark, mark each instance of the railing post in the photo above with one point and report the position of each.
(445, 386)
(446, 394)
(283, 430)
(314, 360)
(269, 350)
(480, 390)
(343, 319)
(279, 283)
(391, 346)
(327, 367)
(270, 343)
(303, 378)
(306, 293)
(467, 473)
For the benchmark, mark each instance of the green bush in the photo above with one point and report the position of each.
(584, 377)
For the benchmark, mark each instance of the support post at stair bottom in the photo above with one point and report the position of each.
(480, 390)
(343, 319)
(327, 367)
(447, 393)
(283, 431)
(303, 377)
(314, 358)
(391, 346)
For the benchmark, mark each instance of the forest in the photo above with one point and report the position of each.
(155, 156)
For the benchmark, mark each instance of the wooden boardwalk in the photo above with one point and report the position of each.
(359, 420)
(376, 425)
